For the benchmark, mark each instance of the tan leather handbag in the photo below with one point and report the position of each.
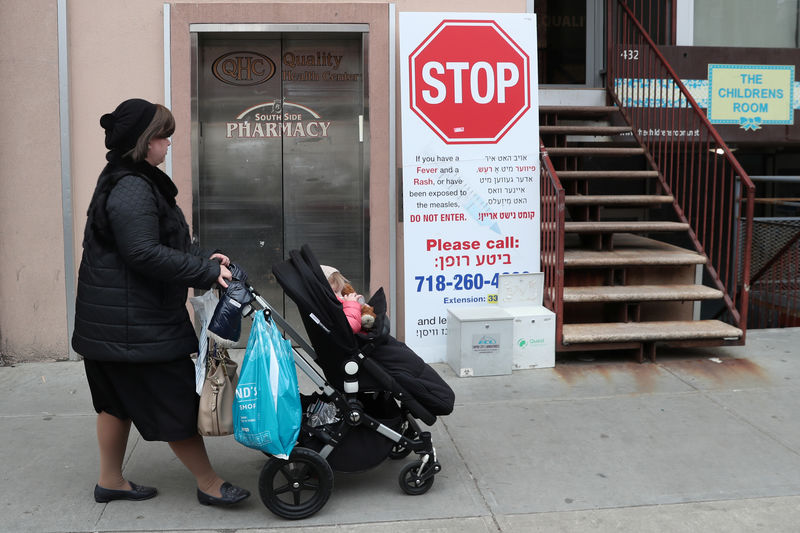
(215, 416)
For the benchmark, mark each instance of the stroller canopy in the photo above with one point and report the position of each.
(321, 311)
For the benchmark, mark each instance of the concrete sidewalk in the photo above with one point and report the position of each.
(703, 440)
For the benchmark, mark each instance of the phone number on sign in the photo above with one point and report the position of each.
(458, 282)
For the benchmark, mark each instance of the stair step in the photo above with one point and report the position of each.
(640, 293)
(627, 199)
(577, 110)
(594, 174)
(592, 150)
(629, 250)
(642, 226)
(583, 130)
(648, 331)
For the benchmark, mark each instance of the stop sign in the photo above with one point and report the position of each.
(469, 81)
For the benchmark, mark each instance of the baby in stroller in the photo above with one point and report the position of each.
(379, 387)
(360, 315)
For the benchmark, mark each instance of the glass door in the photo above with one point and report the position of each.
(571, 42)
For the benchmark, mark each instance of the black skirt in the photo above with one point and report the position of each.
(159, 398)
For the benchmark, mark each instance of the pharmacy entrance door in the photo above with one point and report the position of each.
(280, 153)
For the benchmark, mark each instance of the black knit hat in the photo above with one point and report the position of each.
(127, 122)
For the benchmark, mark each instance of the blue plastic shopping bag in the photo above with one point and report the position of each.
(267, 412)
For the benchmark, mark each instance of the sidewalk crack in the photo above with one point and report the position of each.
(465, 463)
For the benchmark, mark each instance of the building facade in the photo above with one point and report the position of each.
(295, 68)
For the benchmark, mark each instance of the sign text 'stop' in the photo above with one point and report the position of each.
(469, 81)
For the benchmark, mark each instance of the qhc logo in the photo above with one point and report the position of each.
(277, 119)
(243, 68)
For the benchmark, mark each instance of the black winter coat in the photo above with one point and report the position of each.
(137, 265)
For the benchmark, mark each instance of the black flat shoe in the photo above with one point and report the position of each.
(137, 493)
(230, 494)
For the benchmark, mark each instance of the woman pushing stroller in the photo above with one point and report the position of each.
(131, 323)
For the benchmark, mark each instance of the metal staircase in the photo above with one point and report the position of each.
(623, 287)
(642, 209)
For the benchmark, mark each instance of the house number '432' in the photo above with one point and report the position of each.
(630, 54)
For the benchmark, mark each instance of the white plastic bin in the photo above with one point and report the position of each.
(534, 332)
(534, 335)
(479, 341)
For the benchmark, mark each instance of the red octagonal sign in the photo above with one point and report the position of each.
(469, 81)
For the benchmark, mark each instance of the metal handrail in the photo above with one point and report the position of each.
(552, 238)
(681, 144)
(781, 179)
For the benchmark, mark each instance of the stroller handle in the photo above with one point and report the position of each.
(318, 379)
(282, 323)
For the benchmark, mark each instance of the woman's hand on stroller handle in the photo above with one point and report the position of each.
(222, 258)
(224, 274)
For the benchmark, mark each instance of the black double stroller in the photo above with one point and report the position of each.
(366, 406)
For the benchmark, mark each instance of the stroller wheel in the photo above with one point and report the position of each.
(414, 482)
(297, 487)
